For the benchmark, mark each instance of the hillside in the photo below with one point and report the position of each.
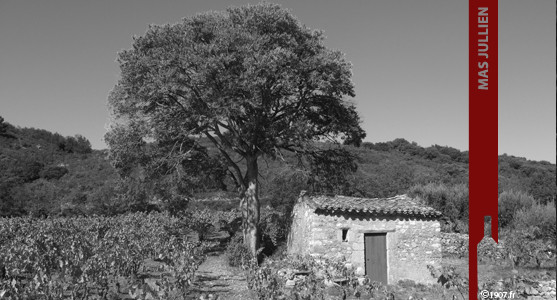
(44, 173)
(450, 166)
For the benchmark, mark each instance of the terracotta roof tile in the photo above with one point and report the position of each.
(400, 205)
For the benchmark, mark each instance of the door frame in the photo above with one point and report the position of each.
(387, 235)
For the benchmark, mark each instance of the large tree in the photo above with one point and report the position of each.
(252, 80)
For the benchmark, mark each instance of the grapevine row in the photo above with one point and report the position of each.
(95, 257)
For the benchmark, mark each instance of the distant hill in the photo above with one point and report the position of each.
(44, 173)
(449, 165)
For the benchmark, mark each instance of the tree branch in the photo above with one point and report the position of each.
(226, 141)
(227, 157)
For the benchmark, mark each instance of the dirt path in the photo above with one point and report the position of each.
(215, 279)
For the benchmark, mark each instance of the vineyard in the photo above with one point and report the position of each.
(97, 257)
(156, 255)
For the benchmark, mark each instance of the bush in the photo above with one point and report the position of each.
(222, 205)
(53, 172)
(509, 203)
(451, 200)
(40, 197)
(273, 226)
(279, 279)
(77, 144)
(237, 253)
(523, 249)
(28, 171)
(541, 217)
(449, 278)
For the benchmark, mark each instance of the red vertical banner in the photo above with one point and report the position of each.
(483, 154)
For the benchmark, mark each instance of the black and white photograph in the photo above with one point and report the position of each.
(245, 150)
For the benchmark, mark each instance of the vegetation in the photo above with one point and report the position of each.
(310, 278)
(40, 179)
(510, 202)
(248, 103)
(452, 201)
(237, 253)
(44, 173)
(530, 237)
(522, 287)
(95, 257)
(252, 80)
(48, 181)
(540, 217)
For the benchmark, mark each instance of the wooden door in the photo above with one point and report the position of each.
(376, 256)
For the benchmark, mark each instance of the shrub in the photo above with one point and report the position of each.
(279, 279)
(451, 200)
(28, 171)
(532, 236)
(223, 205)
(541, 217)
(201, 221)
(40, 197)
(449, 278)
(237, 253)
(509, 203)
(53, 172)
(523, 248)
(273, 225)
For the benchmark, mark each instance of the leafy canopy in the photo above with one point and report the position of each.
(252, 80)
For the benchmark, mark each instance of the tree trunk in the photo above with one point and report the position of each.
(249, 206)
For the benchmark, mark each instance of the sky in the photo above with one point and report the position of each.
(409, 57)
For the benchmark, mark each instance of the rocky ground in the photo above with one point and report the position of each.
(541, 290)
(215, 279)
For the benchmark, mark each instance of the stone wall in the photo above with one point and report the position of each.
(300, 230)
(412, 244)
(456, 245)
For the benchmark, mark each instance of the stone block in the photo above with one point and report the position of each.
(315, 243)
(290, 283)
(334, 293)
(358, 246)
(321, 235)
(357, 257)
(320, 249)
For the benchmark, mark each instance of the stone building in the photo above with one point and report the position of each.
(387, 239)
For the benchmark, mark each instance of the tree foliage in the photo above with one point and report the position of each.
(77, 144)
(435, 152)
(251, 84)
(4, 128)
(252, 80)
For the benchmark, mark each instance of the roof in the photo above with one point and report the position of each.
(400, 205)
